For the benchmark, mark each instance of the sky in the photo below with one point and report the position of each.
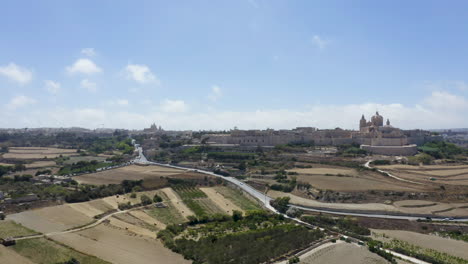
(251, 64)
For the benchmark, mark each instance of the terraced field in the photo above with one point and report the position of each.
(198, 201)
(238, 198)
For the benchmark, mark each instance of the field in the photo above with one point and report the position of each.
(41, 250)
(40, 164)
(198, 201)
(176, 211)
(12, 229)
(8, 255)
(445, 209)
(348, 179)
(37, 153)
(446, 174)
(238, 198)
(449, 246)
(118, 246)
(50, 219)
(123, 238)
(133, 172)
(221, 201)
(343, 253)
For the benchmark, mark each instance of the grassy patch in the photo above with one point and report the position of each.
(168, 215)
(42, 250)
(13, 229)
(238, 198)
(197, 200)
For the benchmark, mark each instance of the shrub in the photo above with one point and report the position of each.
(145, 200)
(157, 198)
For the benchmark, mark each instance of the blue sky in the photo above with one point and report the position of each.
(220, 64)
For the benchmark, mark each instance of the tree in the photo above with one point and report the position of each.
(4, 149)
(157, 198)
(145, 200)
(281, 204)
(236, 215)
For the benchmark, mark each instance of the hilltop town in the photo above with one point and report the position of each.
(162, 195)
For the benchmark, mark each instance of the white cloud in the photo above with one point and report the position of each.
(215, 94)
(84, 66)
(16, 73)
(89, 85)
(175, 114)
(52, 87)
(20, 101)
(173, 106)
(122, 102)
(320, 42)
(445, 100)
(140, 73)
(90, 52)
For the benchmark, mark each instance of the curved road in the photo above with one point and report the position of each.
(265, 199)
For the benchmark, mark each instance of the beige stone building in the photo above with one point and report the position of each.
(373, 136)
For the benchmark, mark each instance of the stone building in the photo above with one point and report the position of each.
(373, 136)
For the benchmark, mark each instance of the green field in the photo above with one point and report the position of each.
(197, 201)
(44, 251)
(168, 215)
(12, 229)
(238, 198)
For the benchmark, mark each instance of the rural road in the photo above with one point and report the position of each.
(265, 199)
(93, 224)
(367, 165)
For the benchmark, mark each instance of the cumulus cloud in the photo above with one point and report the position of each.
(16, 73)
(175, 114)
(173, 106)
(20, 101)
(444, 100)
(52, 87)
(140, 73)
(90, 52)
(215, 94)
(83, 66)
(320, 42)
(88, 85)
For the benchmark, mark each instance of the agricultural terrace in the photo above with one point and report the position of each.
(238, 197)
(197, 201)
(26, 153)
(12, 229)
(133, 172)
(449, 246)
(41, 250)
(175, 211)
(431, 174)
(336, 178)
(337, 252)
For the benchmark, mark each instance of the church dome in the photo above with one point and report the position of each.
(377, 120)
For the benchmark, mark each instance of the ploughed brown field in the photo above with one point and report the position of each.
(349, 179)
(128, 237)
(37, 153)
(443, 174)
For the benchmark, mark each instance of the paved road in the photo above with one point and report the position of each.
(266, 199)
